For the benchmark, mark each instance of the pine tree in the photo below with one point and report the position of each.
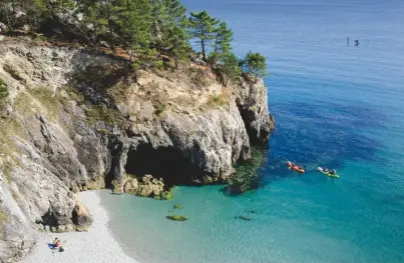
(136, 25)
(222, 44)
(203, 28)
(7, 14)
(180, 47)
(176, 11)
(224, 37)
(95, 20)
(254, 64)
(230, 66)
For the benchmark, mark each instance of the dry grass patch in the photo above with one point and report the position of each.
(218, 100)
(10, 128)
(38, 100)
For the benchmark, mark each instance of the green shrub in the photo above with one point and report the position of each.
(3, 218)
(160, 109)
(218, 100)
(101, 113)
(9, 127)
(3, 92)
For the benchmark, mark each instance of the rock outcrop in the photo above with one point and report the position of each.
(76, 120)
(147, 186)
(254, 111)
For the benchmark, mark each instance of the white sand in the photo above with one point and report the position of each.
(97, 245)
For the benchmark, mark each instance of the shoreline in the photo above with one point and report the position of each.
(96, 245)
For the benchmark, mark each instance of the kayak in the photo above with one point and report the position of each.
(321, 170)
(295, 168)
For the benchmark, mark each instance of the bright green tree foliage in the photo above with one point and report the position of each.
(202, 27)
(255, 64)
(151, 31)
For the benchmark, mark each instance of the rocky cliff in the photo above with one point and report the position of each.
(75, 120)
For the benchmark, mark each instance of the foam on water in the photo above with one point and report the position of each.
(335, 105)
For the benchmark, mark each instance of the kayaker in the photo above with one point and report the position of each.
(333, 171)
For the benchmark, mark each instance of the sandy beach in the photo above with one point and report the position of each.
(96, 245)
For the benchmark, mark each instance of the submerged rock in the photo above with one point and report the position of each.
(246, 177)
(245, 218)
(177, 206)
(177, 218)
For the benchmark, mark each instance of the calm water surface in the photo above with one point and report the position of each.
(335, 105)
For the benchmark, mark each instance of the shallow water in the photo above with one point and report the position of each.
(335, 105)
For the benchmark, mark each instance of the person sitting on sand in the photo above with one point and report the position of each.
(55, 242)
(58, 244)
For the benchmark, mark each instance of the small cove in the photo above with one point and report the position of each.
(335, 106)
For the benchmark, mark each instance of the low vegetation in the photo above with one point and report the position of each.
(49, 100)
(10, 127)
(218, 100)
(101, 113)
(40, 99)
(3, 218)
(160, 108)
(3, 93)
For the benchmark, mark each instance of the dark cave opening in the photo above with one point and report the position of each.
(164, 162)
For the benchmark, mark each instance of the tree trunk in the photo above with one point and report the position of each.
(203, 49)
(6, 12)
(111, 42)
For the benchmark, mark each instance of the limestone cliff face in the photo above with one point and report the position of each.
(76, 121)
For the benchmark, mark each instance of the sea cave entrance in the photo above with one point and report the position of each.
(164, 162)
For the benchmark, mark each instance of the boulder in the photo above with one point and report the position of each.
(81, 216)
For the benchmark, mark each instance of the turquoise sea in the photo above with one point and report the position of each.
(335, 105)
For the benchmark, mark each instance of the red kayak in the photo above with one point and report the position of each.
(295, 167)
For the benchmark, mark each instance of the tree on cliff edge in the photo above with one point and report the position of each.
(254, 64)
(202, 27)
(222, 44)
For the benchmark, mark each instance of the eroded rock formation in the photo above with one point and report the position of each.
(75, 121)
